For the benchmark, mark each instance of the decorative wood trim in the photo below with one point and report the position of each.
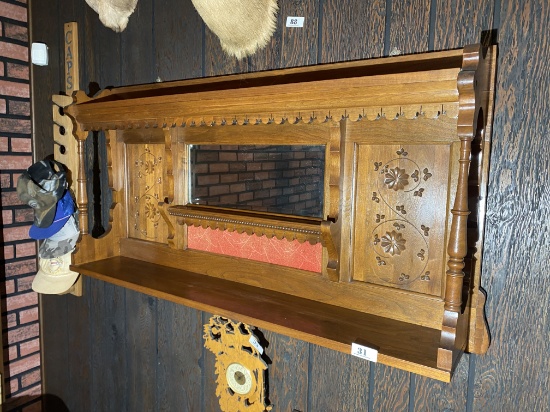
(261, 224)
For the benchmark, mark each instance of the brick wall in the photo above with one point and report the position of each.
(19, 303)
(278, 179)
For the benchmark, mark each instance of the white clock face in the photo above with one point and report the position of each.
(239, 378)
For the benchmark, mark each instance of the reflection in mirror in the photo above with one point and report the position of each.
(284, 179)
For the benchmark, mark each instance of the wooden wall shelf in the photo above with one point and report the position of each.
(403, 143)
(409, 347)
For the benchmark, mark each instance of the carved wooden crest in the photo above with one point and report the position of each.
(239, 365)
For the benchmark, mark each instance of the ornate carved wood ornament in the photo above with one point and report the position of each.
(240, 368)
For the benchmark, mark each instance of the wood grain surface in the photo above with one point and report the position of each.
(352, 30)
(338, 382)
(512, 376)
(179, 347)
(516, 261)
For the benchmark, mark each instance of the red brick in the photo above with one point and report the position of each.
(4, 144)
(5, 180)
(14, 385)
(1, 65)
(8, 252)
(243, 197)
(217, 190)
(25, 249)
(23, 333)
(7, 217)
(25, 364)
(21, 301)
(18, 71)
(15, 233)
(15, 125)
(228, 156)
(228, 199)
(20, 108)
(11, 320)
(17, 32)
(28, 315)
(21, 267)
(13, 88)
(229, 178)
(3, 109)
(24, 215)
(30, 378)
(208, 180)
(11, 353)
(238, 187)
(24, 284)
(21, 144)
(10, 286)
(32, 346)
(14, 12)
(253, 166)
(219, 168)
(14, 162)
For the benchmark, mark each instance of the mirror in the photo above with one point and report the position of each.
(286, 179)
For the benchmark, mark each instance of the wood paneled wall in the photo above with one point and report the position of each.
(118, 350)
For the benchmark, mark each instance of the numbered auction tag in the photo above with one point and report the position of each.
(254, 342)
(364, 352)
(292, 21)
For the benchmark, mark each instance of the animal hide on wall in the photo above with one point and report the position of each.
(243, 26)
(113, 13)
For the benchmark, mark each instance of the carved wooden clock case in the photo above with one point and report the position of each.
(398, 233)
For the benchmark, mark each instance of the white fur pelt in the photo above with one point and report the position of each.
(243, 26)
(113, 13)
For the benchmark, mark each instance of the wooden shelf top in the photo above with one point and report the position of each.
(403, 345)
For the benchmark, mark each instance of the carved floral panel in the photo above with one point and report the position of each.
(401, 206)
(145, 173)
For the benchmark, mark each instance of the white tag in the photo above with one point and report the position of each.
(364, 352)
(254, 342)
(292, 21)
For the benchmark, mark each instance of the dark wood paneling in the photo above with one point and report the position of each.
(451, 19)
(107, 354)
(216, 61)
(409, 26)
(390, 390)
(141, 352)
(337, 382)
(431, 395)
(288, 372)
(178, 40)
(54, 340)
(137, 54)
(78, 323)
(352, 30)
(516, 259)
(179, 374)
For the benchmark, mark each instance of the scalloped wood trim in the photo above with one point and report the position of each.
(430, 110)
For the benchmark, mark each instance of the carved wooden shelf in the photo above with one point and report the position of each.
(386, 156)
